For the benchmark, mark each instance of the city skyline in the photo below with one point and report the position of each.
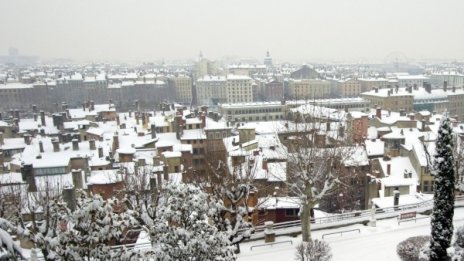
(333, 31)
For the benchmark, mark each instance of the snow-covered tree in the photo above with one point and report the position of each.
(9, 250)
(182, 229)
(444, 180)
(91, 230)
(230, 192)
(316, 154)
(141, 193)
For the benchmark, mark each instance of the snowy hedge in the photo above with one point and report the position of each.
(409, 249)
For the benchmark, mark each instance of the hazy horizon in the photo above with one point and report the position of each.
(296, 30)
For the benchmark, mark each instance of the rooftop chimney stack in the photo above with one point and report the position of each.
(115, 141)
(42, 118)
(75, 144)
(56, 145)
(1, 138)
(27, 173)
(27, 139)
(35, 116)
(77, 178)
(378, 112)
(34, 108)
(100, 152)
(153, 131)
(41, 147)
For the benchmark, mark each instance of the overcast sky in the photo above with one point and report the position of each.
(144, 30)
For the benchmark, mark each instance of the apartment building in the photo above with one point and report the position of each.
(368, 84)
(348, 88)
(239, 89)
(211, 90)
(308, 89)
(256, 111)
(181, 86)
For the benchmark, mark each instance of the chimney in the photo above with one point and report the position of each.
(115, 141)
(137, 119)
(130, 113)
(42, 118)
(445, 86)
(27, 173)
(77, 178)
(75, 144)
(56, 145)
(165, 173)
(27, 139)
(376, 90)
(423, 126)
(83, 106)
(203, 120)
(100, 152)
(35, 116)
(378, 112)
(388, 169)
(1, 138)
(453, 89)
(41, 147)
(16, 112)
(92, 144)
(42, 132)
(137, 105)
(264, 163)
(92, 105)
(327, 126)
(34, 108)
(153, 131)
(69, 196)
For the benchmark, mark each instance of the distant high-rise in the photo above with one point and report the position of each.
(14, 57)
(268, 60)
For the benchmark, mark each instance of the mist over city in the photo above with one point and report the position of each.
(231, 130)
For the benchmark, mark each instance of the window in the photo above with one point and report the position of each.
(292, 212)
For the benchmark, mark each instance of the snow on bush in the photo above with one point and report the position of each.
(409, 249)
(456, 252)
(182, 229)
(314, 250)
(9, 250)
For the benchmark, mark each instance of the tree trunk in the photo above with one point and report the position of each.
(305, 218)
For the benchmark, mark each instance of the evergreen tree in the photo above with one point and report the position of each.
(443, 206)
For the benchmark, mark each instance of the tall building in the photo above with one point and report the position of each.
(181, 86)
(239, 89)
(211, 90)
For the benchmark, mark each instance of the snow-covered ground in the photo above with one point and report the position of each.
(372, 243)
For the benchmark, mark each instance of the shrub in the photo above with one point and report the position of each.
(409, 249)
(314, 250)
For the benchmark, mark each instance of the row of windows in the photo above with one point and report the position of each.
(266, 110)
